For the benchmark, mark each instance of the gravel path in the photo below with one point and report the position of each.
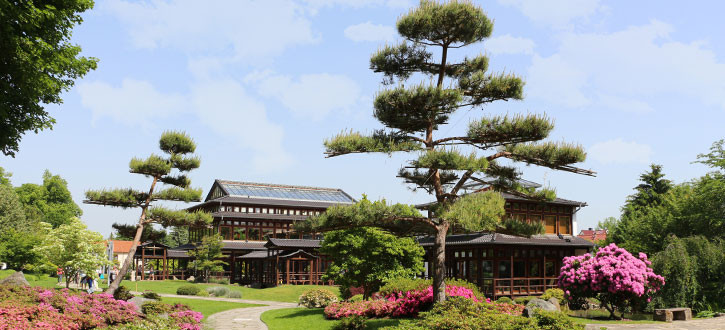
(696, 324)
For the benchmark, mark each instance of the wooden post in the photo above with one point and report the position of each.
(511, 275)
(143, 263)
(287, 262)
(232, 268)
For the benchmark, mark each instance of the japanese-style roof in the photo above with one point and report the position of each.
(593, 234)
(121, 246)
(262, 216)
(229, 245)
(496, 238)
(153, 245)
(253, 190)
(512, 197)
(258, 255)
(292, 243)
(294, 253)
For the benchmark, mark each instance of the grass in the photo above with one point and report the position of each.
(282, 293)
(602, 317)
(310, 318)
(34, 279)
(207, 307)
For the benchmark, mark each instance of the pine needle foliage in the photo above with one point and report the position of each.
(412, 114)
(169, 170)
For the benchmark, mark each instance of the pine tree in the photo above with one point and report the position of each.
(207, 256)
(179, 148)
(413, 114)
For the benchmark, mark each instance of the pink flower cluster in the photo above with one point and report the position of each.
(404, 304)
(187, 320)
(38, 308)
(613, 271)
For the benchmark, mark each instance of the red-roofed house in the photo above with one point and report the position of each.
(120, 250)
(593, 235)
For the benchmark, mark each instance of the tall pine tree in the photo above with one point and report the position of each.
(413, 113)
(179, 149)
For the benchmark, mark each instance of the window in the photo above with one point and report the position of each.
(534, 269)
(504, 269)
(519, 268)
(565, 225)
(487, 268)
(534, 218)
(550, 269)
(550, 224)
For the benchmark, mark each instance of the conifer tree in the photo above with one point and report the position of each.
(179, 149)
(413, 113)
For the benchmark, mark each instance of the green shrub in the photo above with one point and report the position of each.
(404, 284)
(220, 281)
(149, 323)
(122, 293)
(151, 295)
(188, 290)
(523, 300)
(234, 294)
(155, 308)
(554, 293)
(550, 320)
(202, 293)
(218, 291)
(355, 322)
(317, 298)
(504, 300)
(357, 297)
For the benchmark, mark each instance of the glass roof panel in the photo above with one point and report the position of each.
(287, 193)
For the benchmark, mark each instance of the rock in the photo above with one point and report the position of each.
(555, 302)
(138, 301)
(16, 278)
(537, 303)
(191, 279)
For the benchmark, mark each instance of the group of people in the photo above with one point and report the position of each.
(86, 281)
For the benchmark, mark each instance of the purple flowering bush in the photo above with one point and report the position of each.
(410, 303)
(612, 275)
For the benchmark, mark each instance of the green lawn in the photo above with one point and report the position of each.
(602, 317)
(282, 293)
(207, 307)
(306, 319)
(34, 280)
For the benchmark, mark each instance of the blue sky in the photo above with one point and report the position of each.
(260, 84)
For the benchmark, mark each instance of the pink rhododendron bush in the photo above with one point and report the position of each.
(612, 275)
(410, 303)
(50, 309)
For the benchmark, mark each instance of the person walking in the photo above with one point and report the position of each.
(59, 272)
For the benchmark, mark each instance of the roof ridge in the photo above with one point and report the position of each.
(275, 185)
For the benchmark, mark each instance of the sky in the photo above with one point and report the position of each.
(259, 85)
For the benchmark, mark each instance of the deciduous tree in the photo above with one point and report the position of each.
(206, 256)
(367, 257)
(74, 248)
(178, 149)
(38, 62)
(50, 202)
(414, 113)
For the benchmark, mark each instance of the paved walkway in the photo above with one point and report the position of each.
(696, 324)
(240, 318)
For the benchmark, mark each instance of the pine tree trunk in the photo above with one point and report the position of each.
(136, 240)
(439, 263)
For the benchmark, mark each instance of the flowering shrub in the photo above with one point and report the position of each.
(40, 308)
(612, 275)
(317, 298)
(410, 303)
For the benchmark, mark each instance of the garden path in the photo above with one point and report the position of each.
(240, 318)
(696, 324)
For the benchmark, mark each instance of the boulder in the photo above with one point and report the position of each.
(191, 279)
(555, 302)
(138, 301)
(17, 279)
(537, 303)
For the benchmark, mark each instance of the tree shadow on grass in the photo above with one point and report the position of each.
(303, 313)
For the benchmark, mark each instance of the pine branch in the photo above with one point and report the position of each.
(423, 180)
(154, 166)
(521, 228)
(180, 180)
(174, 142)
(557, 156)
(124, 198)
(451, 24)
(412, 110)
(379, 141)
(449, 160)
(480, 88)
(178, 194)
(166, 217)
(185, 163)
(475, 212)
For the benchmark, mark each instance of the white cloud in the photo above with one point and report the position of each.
(134, 102)
(507, 44)
(311, 95)
(221, 104)
(622, 69)
(619, 151)
(370, 32)
(556, 13)
(244, 29)
(358, 3)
